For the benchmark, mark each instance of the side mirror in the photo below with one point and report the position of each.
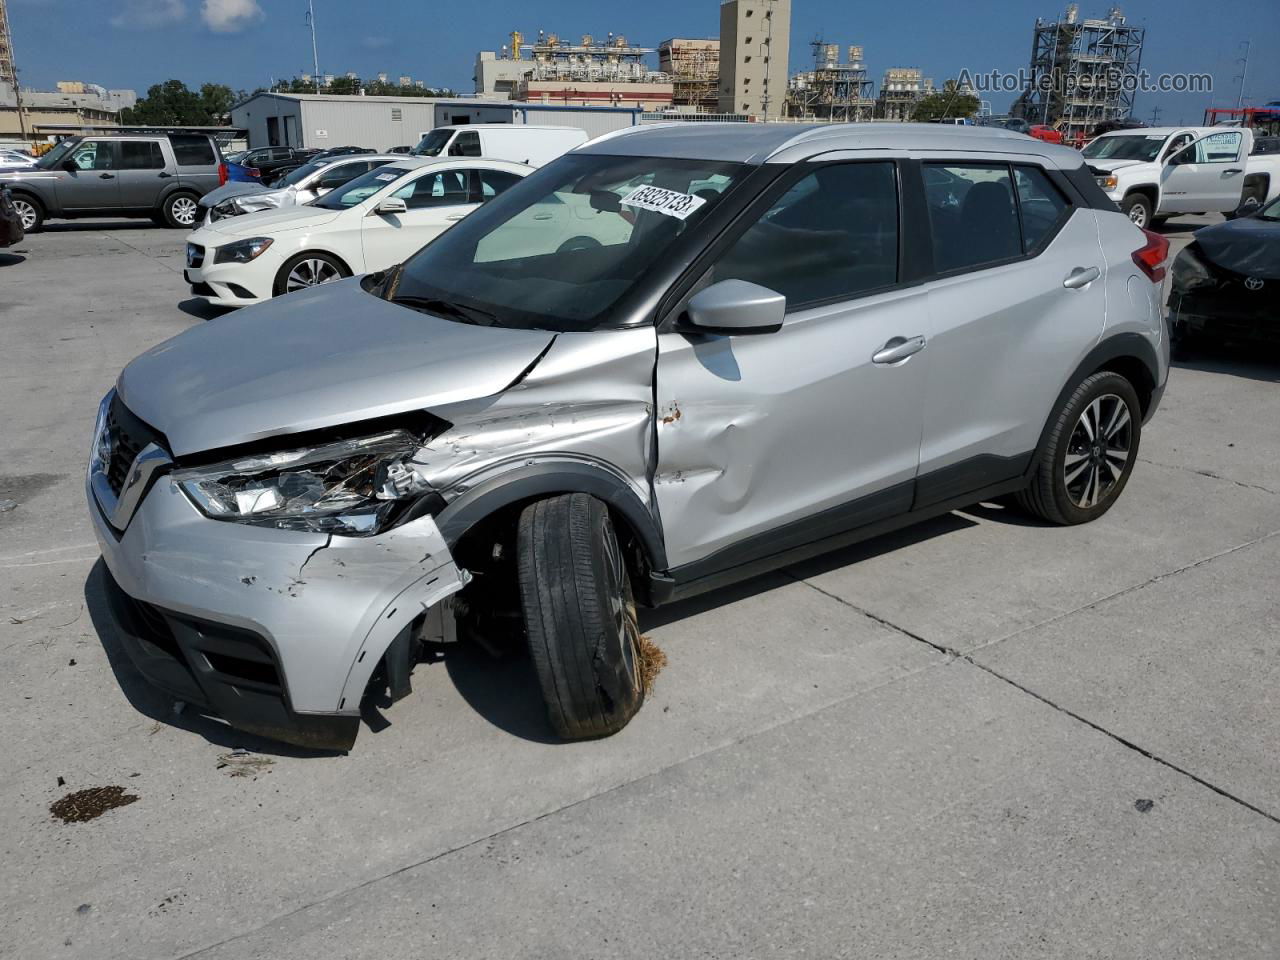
(735, 307)
(392, 205)
(70, 166)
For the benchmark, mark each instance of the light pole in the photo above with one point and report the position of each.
(315, 56)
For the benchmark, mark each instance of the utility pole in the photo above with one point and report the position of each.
(315, 56)
(1244, 72)
(8, 68)
(1155, 116)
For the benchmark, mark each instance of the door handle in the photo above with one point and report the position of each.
(1233, 170)
(163, 175)
(106, 176)
(1081, 277)
(899, 348)
(455, 216)
(542, 216)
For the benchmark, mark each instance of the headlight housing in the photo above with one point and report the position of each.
(1108, 182)
(349, 487)
(1189, 272)
(242, 251)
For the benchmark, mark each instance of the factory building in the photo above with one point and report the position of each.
(1102, 57)
(835, 89)
(901, 89)
(72, 104)
(694, 69)
(754, 39)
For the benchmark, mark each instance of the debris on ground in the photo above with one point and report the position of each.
(62, 782)
(1143, 806)
(88, 804)
(652, 660)
(242, 763)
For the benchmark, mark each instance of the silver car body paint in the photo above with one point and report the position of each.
(720, 438)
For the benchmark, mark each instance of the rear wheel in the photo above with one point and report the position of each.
(308, 270)
(30, 212)
(1089, 454)
(1137, 207)
(180, 210)
(580, 616)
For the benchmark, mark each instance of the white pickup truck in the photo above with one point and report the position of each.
(1154, 173)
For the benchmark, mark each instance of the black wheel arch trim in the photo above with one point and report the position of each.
(1120, 346)
(538, 480)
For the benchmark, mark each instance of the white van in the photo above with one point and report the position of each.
(500, 141)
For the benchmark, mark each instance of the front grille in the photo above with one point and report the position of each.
(128, 436)
(195, 255)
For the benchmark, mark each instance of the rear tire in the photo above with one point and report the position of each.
(1089, 454)
(30, 210)
(180, 210)
(580, 616)
(1137, 207)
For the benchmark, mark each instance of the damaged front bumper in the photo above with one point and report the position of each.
(275, 631)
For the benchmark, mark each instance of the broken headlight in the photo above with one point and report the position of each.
(349, 487)
(1189, 272)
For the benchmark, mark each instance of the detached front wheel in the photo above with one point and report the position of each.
(580, 615)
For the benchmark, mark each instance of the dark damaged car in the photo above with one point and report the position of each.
(1225, 284)
(671, 359)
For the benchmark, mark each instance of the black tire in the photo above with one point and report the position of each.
(580, 616)
(1060, 494)
(1137, 207)
(181, 210)
(30, 210)
(324, 269)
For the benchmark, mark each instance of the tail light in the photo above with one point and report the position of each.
(222, 174)
(254, 172)
(1150, 257)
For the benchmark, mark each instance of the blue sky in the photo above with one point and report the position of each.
(244, 43)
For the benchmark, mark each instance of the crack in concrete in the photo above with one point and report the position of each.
(1210, 474)
(149, 256)
(954, 655)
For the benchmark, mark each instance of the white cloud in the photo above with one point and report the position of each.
(146, 14)
(228, 16)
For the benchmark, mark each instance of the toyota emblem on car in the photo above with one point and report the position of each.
(1253, 283)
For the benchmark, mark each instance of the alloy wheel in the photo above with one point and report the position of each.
(308, 273)
(1098, 451)
(1138, 214)
(184, 210)
(26, 212)
(622, 608)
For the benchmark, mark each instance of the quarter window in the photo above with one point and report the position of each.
(972, 214)
(832, 235)
(192, 151)
(1039, 203)
(493, 182)
(447, 188)
(141, 155)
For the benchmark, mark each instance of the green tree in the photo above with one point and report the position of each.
(948, 103)
(171, 104)
(343, 86)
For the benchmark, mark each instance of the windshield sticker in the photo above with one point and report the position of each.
(1155, 136)
(385, 177)
(667, 202)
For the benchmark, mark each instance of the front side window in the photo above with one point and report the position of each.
(94, 155)
(831, 236)
(972, 215)
(141, 155)
(466, 144)
(564, 247)
(191, 150)
(361, 188)
(1218, 148)
(443, 189)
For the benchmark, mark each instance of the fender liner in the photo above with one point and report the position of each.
(1120, 346)
(545, 479)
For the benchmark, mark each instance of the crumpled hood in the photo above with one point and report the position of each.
(1111, 166)
(1247, 246)
(318, 358)
(236, 188)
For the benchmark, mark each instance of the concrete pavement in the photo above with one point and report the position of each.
(980, 737)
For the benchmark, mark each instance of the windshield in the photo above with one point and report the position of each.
(559, 250)
(301, 173)
(361, 188)
(1145, 147)
(433, 143)
(54, 156)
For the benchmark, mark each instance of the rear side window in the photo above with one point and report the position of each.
(466, 144)
(443, 189)
(192, 151)
(831, 236)
(972, 214)
(1040, 204)
(141, 155)
(493, 182)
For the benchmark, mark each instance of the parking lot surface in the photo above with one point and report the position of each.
(980, 737)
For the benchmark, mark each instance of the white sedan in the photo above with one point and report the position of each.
(375, 221)
(15, 160)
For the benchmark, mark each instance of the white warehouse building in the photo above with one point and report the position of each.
(321, 120)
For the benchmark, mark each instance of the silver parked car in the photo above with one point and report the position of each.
(162, 176)
(673, 358)
(300, 185)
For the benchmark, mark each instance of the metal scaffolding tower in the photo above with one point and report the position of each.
(8, 72)
(694, 68)
(832, 90)
(1082, 72)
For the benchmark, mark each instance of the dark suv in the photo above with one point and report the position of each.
(268, 160)
(162, 176)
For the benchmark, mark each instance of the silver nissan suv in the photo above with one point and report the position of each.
(673, 358)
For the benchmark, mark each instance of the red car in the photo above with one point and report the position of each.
(1046, 133)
